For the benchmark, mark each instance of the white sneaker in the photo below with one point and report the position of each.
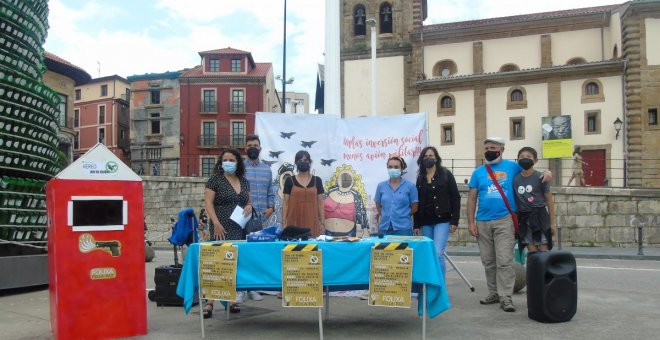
(240, 297)
(255, 296)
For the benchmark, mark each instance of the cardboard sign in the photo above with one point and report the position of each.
(390, 277)
(302, 276)
(217, 271)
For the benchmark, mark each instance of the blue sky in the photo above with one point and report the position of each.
(143, 36)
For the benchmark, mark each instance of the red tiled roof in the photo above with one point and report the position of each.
(516, 18)
(227, 50)
(62, 60)
(260, 70)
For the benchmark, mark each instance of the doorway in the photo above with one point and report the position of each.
(595, 170)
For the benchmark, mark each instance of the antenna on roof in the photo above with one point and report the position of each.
(99, 68)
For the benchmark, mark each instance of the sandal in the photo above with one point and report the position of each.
(234, 308)
(208, 312)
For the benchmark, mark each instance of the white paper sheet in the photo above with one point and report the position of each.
(237, 216)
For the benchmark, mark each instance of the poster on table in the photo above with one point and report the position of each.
(302, 276)
(350, 155)
(217, 271)
(390, 277)
(557, 136)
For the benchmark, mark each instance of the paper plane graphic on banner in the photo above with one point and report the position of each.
(275, 154)
(327, 162)
(305, 144)
(287, 135)
(269, 162)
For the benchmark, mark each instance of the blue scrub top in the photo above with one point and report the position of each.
(395, 204)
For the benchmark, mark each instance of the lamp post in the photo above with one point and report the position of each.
(284, 64)
(372, 25)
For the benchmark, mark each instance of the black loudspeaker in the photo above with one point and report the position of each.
(551, 286)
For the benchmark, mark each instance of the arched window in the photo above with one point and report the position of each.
(576, 61)
(446, 105)
(385, 14)
(592, 91)
(446, 102)
(509, 68)
(517, 96)
(359, 20)
(444, 68)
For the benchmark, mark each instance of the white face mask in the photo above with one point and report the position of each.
(394, 173)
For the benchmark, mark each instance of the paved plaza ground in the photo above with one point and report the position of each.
(617, 299)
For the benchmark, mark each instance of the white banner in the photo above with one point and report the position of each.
(350, 155)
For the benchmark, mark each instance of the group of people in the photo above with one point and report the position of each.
(430, 207)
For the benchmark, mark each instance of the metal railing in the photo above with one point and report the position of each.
(237, 107)
(208, 106)
(221, 141)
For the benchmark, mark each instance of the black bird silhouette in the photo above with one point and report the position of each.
(275, 154)
(327, 162)
(305, 144)
(269, 162)
(287, 135)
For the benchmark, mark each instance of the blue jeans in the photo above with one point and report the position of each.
(439, 233)
(397, 232)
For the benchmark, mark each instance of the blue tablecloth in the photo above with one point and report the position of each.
(345, 266)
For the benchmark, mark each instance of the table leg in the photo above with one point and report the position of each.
(424, 311)
(327, 303)
(320, 324)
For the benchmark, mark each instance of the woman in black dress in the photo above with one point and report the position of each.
(226, 189)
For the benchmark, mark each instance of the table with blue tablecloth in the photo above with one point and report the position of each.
(346, 266)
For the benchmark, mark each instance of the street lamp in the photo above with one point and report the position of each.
(617, 126)
(284, 82)
(372, 25)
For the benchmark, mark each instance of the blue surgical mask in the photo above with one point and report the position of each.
(394, 173)
(229, 167)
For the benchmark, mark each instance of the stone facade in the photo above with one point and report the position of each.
(587, 216)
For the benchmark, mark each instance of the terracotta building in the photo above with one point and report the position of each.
(63, 76)
(219, 99)
(101, 114)
(507, 76)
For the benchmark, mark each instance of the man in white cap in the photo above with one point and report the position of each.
(494, 228)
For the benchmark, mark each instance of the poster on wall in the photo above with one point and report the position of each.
(350, 155)
(557, 136)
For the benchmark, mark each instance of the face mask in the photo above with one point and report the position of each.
(428, 162)
(526, 163)
(253, 153)
(394, 173)
(492, 157)
(303, 166)
(229, 167)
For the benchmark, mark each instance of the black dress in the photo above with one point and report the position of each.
(225, 202)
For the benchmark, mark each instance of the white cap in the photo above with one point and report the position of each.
(494, 140)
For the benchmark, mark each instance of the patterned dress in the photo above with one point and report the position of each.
(226, 200)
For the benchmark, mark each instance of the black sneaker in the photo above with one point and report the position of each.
(507, 305)
(490, 299)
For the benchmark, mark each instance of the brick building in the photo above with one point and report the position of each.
(219, 99)
(101, 114)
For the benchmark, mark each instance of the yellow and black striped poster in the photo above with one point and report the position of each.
(302, 276)
(390, 277)
(217, 271)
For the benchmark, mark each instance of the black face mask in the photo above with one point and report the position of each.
(428, 162)
(253, 153)
(303, 166)
(492, 155)
(526, 163)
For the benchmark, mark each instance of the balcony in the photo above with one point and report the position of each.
(208, 106)
(237, 107)
(221, 141)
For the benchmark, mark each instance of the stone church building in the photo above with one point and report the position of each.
(510, 76)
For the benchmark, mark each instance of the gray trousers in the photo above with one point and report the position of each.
(496, 240)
